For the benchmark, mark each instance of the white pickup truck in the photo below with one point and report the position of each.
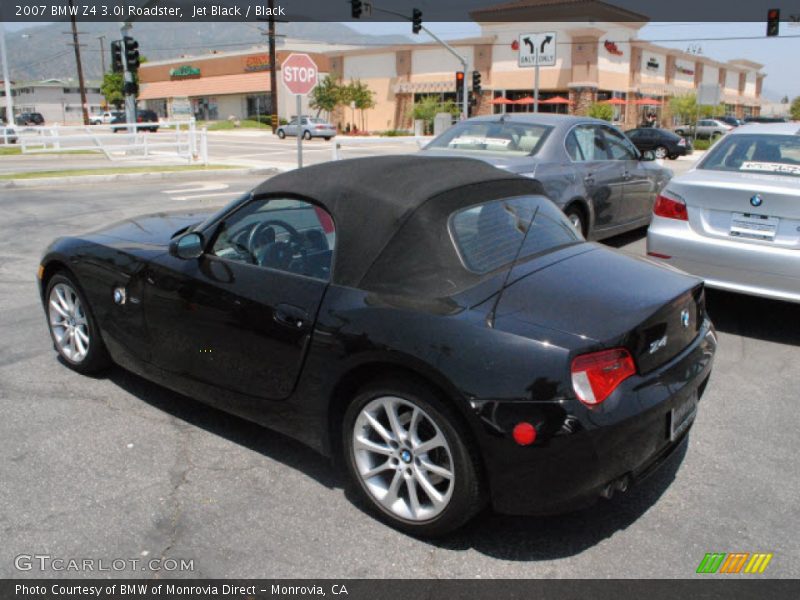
(105, 118)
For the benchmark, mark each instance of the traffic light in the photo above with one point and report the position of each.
(130, 88)
(357, 8)
(460, 86)
(476, 82)
(773, 22)
(416, 20)
(116, 56)
(131, 54)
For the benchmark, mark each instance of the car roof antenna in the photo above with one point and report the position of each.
(490, 317)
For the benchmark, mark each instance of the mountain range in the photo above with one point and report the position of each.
(45, 51)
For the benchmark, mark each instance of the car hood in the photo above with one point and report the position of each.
(740, 180)
(513, 164)
(153, 229)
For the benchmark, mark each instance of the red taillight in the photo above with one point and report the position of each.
(596, 375)
(139, 119)
(321, 127)
(670, 209)
(524, 434)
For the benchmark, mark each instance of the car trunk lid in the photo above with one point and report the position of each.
(756, 208)
(608, 299)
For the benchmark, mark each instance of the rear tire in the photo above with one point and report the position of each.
(72, 326)
(410, 459)
(306, 135)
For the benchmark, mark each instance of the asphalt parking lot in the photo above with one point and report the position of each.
(116, 467)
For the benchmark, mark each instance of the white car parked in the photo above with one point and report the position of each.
(734, 219)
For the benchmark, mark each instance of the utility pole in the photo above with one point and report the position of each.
(6, 77)
(273, 68)
(102, 40)
(81, 83)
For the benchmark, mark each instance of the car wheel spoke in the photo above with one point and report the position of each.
(413, 497)
(435, 469)
(391, 406)
(385, 466)
(436, 441)
(379, 429)
(370, 446)
(391, 496)
(430, 490)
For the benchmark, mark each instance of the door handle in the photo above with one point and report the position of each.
(291, 316)
(589, 179)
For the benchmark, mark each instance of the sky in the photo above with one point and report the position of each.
(778, 55)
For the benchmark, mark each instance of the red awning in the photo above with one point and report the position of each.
(614, 101)
(525, 100)
(556, 100)
(648, 102)
(501, 100)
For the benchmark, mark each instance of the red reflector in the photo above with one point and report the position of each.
(321, 127)
(595, 376)
(670, 209)
(524, 434)
(657, 255)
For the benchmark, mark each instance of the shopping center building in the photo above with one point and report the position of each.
(598, 58)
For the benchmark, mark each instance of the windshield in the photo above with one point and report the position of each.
(518, 139)
(756, 153)
(488, 236)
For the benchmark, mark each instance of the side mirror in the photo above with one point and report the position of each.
(648, 155)
(187, 246)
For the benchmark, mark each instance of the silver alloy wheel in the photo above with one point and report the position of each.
(661, 152)
(68, 323)
(403, 459)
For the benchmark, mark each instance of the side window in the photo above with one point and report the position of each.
(282, 234)
(619, 147)
(585, 142)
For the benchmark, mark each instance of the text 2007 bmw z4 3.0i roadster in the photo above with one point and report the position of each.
(435, 322)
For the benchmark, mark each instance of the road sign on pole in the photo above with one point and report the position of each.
(537, 50)
(299, 73)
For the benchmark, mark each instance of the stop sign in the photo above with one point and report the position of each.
(299, 73)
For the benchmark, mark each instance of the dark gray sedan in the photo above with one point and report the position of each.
(587, 166)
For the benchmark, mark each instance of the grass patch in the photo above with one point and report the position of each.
(111, 171)
(231, 125)
(17, 151)
(10, 151)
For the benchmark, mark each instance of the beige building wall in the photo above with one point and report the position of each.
(379, 72)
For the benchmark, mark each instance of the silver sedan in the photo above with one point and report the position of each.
(308, 127)
(734, 219)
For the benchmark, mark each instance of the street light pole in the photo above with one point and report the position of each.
(6, 77)
(84, 107)
(102, 40)
(273, 66)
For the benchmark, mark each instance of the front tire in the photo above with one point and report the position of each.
(661, 152)
(410, 458)
(72, 326)
(281, 133)
(306, 135)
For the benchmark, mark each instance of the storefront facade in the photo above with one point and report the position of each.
(598, 58)
(218, 86)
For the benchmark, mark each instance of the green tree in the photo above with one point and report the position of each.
(685, 108)
(426, 108)
(794, 110)
(326, 96)
(359, 97)
(112, 89)
(599, 110)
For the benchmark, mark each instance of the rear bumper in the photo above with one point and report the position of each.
(595, 450)
(733, 265)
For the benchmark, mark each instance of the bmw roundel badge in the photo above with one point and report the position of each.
(685, 318)
(757, 200)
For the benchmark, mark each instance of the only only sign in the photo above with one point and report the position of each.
(299, 73)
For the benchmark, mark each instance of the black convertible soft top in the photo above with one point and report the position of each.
(391, 213)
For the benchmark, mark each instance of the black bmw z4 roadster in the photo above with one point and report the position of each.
(435, 323)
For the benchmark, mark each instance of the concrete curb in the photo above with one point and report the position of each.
(114, 177)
